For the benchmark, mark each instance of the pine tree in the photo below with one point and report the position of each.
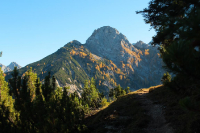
(38, 108)
(91, 95)
(14, 83)
(177, 26)
(7, 112)
(46, 88)
(94, 94)
(32, 77)
(127, 90)
(118, 91)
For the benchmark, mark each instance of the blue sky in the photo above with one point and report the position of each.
(32, 29)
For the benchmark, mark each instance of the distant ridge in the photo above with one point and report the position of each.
(13, 64)
(10, 67)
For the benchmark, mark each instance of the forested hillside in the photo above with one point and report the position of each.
(28, 105)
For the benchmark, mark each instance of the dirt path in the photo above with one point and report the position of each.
(134, 112)
(157, 123)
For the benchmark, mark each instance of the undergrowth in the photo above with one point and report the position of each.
(125, 115)
(181, 109)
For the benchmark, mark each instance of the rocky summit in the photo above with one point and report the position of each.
(141, 59)
(108, 43)
(13, 64)
(107, 56)
(10, 67)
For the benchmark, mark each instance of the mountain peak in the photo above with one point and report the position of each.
(106, 30)
(141, 44)
(12, 65)
(108, 43)
(105, 33)
(75, 42)
(106, 36)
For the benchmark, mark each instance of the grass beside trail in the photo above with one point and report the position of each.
(180, 110)
(125, 115)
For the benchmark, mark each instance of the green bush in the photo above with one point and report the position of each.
(104, 102)
(118, 91)
(166, 78)
(186, 103)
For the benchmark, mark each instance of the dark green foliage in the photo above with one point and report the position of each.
(91, 96)
(181, 58)
(166, 78)
(7, 112)
(104, 102)
(47, 109)
(172, 20)
(186, 103)
(118, 91)
(127, 89)
(177, 26)
(15, 84)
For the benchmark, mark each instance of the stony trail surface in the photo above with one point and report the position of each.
(155, 111)
(132, 113)
(157, 122)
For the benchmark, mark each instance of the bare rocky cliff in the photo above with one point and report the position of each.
(139, 61)
(108, 43)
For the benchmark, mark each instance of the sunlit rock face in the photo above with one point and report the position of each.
(139, 59)
(151, 65)
(13, 64)
(4, 68)
(108, 43)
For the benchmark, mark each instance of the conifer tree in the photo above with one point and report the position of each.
(94, 94)
(7, 112)
(91, 95)
(31, 82)
(177, 25)
(38, 108)
(14, 83)
(46, 88)
(127, 89)
(166, 78)
(118, 91)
